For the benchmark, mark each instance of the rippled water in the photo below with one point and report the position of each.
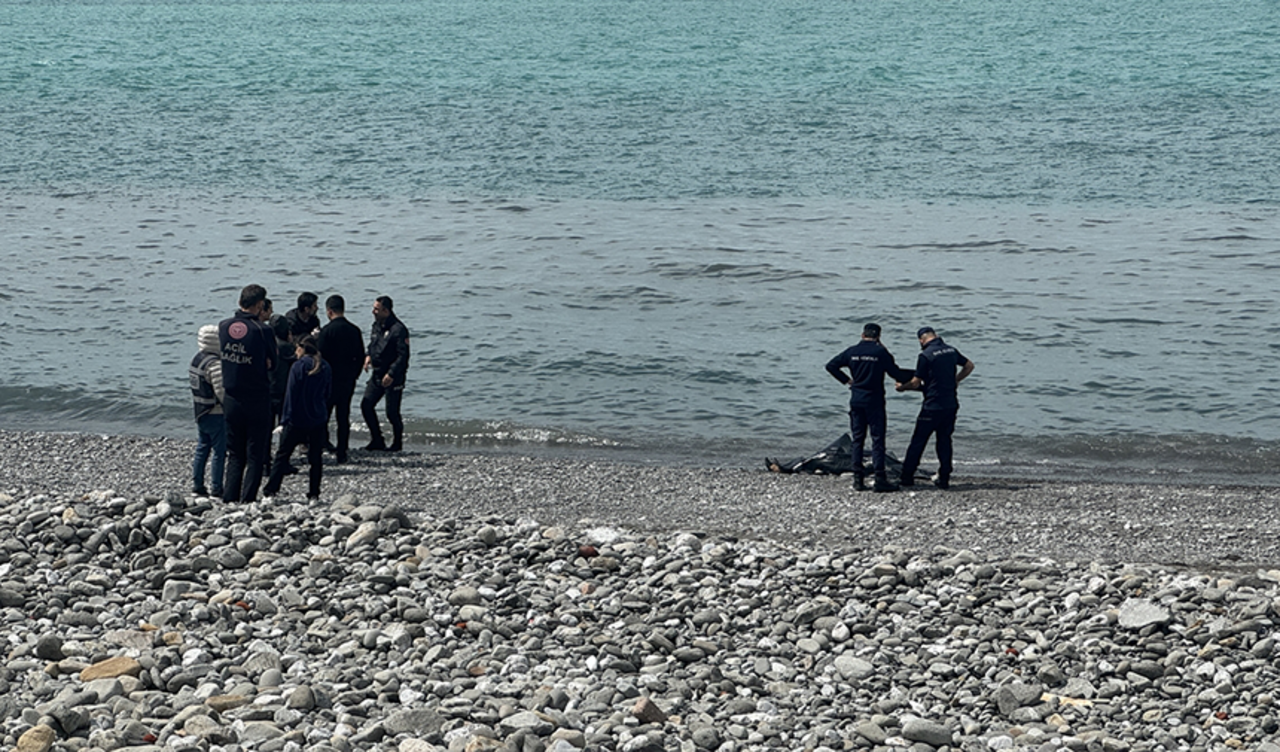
(643, 227)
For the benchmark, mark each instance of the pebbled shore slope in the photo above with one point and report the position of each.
(470, 602)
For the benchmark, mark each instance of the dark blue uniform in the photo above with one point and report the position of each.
(936, 368)
(867, 362)
(247, 348)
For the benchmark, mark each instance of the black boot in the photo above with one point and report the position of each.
(860, 483)
(882, 485)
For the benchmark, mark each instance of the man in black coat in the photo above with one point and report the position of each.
(341, 344)
(303, 319)
(867, 363)
(388, 359)
(247, 348)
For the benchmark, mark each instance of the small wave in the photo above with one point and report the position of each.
(763, 272)
(493, 434)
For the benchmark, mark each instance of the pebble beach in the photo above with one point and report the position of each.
(474, 602)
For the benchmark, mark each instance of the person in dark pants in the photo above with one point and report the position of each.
(306, 410)
(867, 363)
(341, 344)
(936, 376)
(247, 349)
(285, 358)
(388, 359)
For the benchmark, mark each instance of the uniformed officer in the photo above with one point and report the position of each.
(867, 363)
(247, 349)
(388, 359)
(937, 377)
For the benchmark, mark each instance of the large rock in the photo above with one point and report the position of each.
(422, 722)
(929, 732)
(36, 739)
(647, 711)
(1139, 613)
(1010, 697)
(111, 668)
(853, 668)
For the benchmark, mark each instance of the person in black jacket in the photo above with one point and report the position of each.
(247, 349)
(285, 357)
(388, 359)
(342, 346)
(306, 407)
(867, 363)
(937, 377)
(303, 320)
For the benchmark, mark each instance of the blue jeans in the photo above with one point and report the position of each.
(211, 440)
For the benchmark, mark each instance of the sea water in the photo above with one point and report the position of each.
(640, 229)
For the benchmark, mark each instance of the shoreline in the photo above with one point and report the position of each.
(1210, 527)
(433, 603)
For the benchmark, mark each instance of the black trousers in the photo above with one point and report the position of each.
(940, 424)
(290, 438)
(864, 419)
(374, 391)
(340, 407)
(248, 446)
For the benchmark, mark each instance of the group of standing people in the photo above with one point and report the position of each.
(255, 370)
(939, 370)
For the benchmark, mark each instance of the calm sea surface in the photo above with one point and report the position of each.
(639, 229)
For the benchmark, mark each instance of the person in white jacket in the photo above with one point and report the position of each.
(211, 426)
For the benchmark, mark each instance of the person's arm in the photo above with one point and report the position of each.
(965, 370)
(835, 367)
(214, 373)
(292, 387)
(400, 366)
(899, 375)
(916, 382)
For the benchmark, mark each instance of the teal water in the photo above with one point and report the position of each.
(1136, 103)
(642, 227)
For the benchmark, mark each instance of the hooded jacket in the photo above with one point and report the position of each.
(205, 373)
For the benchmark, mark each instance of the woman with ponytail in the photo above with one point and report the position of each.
(304, 416)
